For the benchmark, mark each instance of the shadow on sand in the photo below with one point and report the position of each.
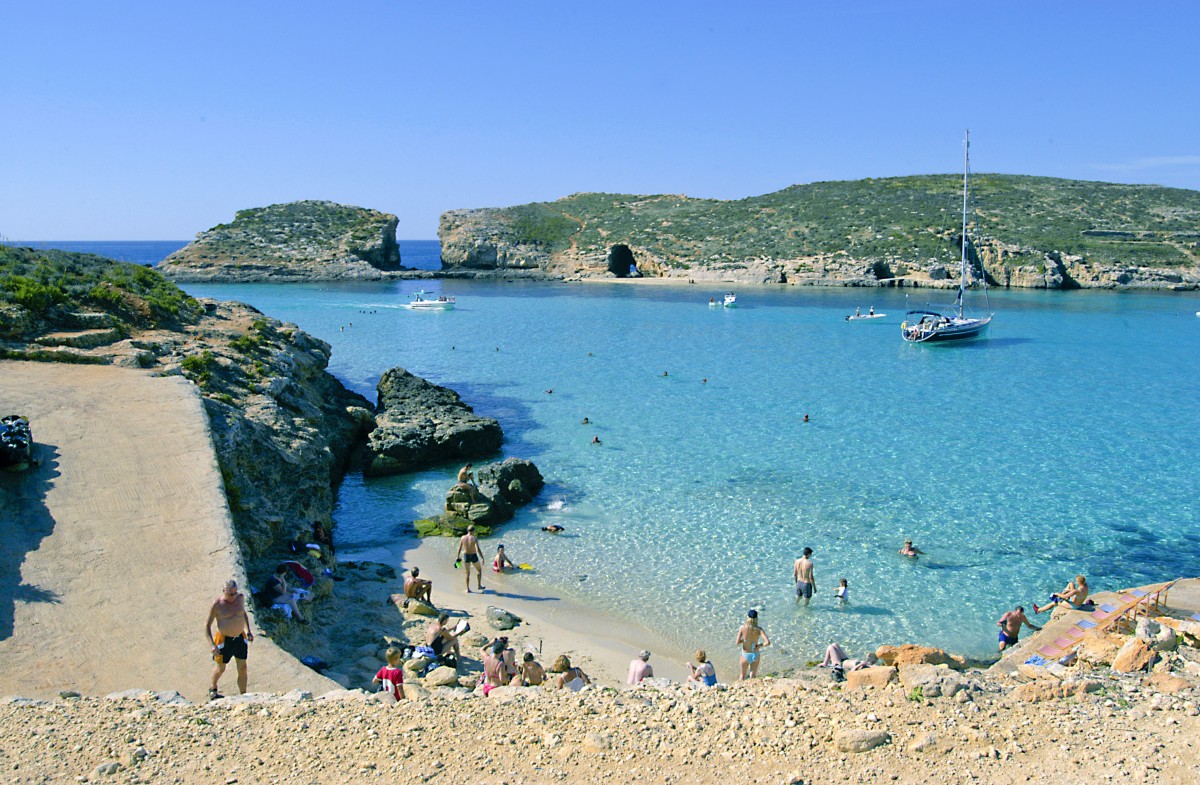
(25, 521)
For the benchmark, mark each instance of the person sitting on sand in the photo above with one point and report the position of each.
(752, 640)
(530, 672)
(495, 674)
(702, 674)
(569, 677)
(391, 677)
(438, 636)
(1074, 595)
(1010, 625)
(501, 560)
(639, 668)
(417, 588)
(910, 550)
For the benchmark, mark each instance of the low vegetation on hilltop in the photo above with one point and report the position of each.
(306, 240)
(894, 221)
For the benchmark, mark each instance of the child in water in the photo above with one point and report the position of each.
(501, 560)
(843, 593)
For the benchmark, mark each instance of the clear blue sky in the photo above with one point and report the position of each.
(137, 120)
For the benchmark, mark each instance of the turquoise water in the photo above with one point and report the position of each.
(1064, 443)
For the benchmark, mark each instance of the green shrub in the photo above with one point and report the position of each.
(199, 367)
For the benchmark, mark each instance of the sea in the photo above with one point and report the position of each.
(732, 438)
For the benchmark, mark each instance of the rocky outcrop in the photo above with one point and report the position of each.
(298, 241)
(418, 423)
(502, 488)
(282, 426)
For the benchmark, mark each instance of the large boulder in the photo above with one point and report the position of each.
(910, 654)
(443, 676)
(879, 676)
(501, 619)
(855, 740)
(515, 480)
(933, 681)
(1098, 648)
(1135, 655)
(502, 487)
(419, 423)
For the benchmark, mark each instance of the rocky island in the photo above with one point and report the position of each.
(297, 241)
(1033, 232)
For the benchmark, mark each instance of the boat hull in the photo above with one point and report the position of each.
(955, 330)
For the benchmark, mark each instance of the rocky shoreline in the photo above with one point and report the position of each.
(1094, 725)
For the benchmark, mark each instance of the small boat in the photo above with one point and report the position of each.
(856, 316)
(950, 323)
(439, 303)
(730, 300)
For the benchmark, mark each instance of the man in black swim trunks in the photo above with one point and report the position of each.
(469, 554)
(233, 631)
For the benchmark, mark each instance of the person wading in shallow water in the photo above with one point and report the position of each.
(752, 640)
(233, 631)
(468, 553)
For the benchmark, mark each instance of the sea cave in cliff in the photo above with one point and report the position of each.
(620, 261)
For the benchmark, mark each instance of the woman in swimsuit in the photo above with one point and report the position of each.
(571, 678)
(703, 674)
(752, 640)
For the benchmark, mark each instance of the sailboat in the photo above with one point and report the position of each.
(950, 323)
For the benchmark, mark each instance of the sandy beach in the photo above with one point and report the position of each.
(603, 644)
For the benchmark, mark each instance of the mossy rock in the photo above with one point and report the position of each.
(447, 525)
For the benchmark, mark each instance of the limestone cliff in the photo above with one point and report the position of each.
(1031, 232)
(298, 241)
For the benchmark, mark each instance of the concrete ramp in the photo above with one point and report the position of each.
(114, 548)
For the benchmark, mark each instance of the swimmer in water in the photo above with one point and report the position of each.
(553, 528)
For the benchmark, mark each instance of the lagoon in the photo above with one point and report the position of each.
(1063, 443)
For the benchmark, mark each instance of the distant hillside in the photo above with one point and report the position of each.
(297, 241)
(1030, 231)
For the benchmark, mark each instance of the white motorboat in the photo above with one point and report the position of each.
(730, 300)
(856, 316)
(421, 303)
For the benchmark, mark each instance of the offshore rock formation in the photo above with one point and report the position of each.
(1033, 232)
(298, 241)
(502, 488)
(418, 423)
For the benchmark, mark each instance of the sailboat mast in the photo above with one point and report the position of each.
(962, 274)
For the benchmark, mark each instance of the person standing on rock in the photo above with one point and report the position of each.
(469, 554)
(233, 632)
(802, 573)
(752, 640)
(1010, 625)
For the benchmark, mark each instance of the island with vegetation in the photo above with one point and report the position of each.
(297, 241)
(1032, 232)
